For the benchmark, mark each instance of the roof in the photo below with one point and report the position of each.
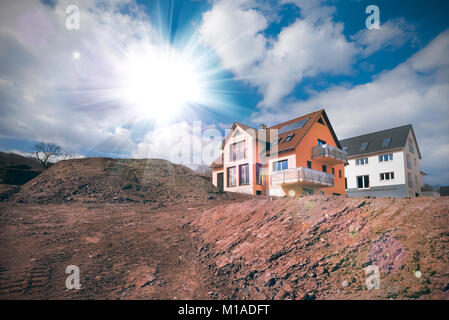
(217, 164)
(301, 132)
(398, 135)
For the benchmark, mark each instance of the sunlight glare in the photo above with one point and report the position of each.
(160, 82)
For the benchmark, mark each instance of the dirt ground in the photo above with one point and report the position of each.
(242, 248)
(150, 229)
(123, 251)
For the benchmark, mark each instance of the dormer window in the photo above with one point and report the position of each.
(275, 142)
(364, 146)
(289, 138)
(386, 142)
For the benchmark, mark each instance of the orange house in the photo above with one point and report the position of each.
(299, 157)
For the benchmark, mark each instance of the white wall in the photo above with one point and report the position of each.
(250, 159)
(291, 161)
(415, 170)
(374, 168)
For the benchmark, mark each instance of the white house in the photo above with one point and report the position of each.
(383, 164)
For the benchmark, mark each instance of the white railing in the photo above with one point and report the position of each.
(302, 175)
(329, 151)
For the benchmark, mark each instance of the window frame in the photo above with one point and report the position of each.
(279, 161)
(228, 170)
(289, 138)
(245, 165)
(365, 185)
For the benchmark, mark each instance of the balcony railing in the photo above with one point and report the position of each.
(303, 176)
(329, 152)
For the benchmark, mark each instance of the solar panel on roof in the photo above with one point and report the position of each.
(293, 126)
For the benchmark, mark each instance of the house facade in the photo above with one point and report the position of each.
(383, 164)
(299, 157)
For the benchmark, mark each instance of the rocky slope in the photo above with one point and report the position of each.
(321, 247)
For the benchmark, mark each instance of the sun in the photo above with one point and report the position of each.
(160, 82)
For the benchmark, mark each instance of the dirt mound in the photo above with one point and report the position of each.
(328, 248)
(16, 169)
(7, 191)
(154, 181)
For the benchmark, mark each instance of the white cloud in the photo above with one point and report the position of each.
(189, 144)
(392, 34)
(414, 92)
(311, 45)
(48, 95)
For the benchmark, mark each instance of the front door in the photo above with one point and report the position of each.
(220, 181)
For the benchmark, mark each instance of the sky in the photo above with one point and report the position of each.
(166, 79)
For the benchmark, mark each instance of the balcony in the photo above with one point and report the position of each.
(329, 154)
(302, 176)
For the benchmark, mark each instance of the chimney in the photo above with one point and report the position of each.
(262, 127)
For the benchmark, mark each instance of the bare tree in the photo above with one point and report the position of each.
(46, 151)
(204, 170)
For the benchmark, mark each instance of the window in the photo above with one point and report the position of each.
(321, 142)
(387, 176)
(232, 181)
(307, 191)
(346, 183)
(339, 173)
(324, 168)
(289, 138)
(386, 142)
(333, 171)
(409, 164)
(364, 146)
(410, 182)
(258, 173)
(320, 120)
(361, 162)
(244, 174)
(309, 164)
(410, 146)
(275, 142)
(345, 148)
(238, 151)
(362, 182)
(386, 157)
(280, 165)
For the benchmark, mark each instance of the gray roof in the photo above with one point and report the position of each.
(398, 137)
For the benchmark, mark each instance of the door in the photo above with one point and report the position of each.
(220, 181)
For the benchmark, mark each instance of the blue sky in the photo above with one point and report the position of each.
(244, 60)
